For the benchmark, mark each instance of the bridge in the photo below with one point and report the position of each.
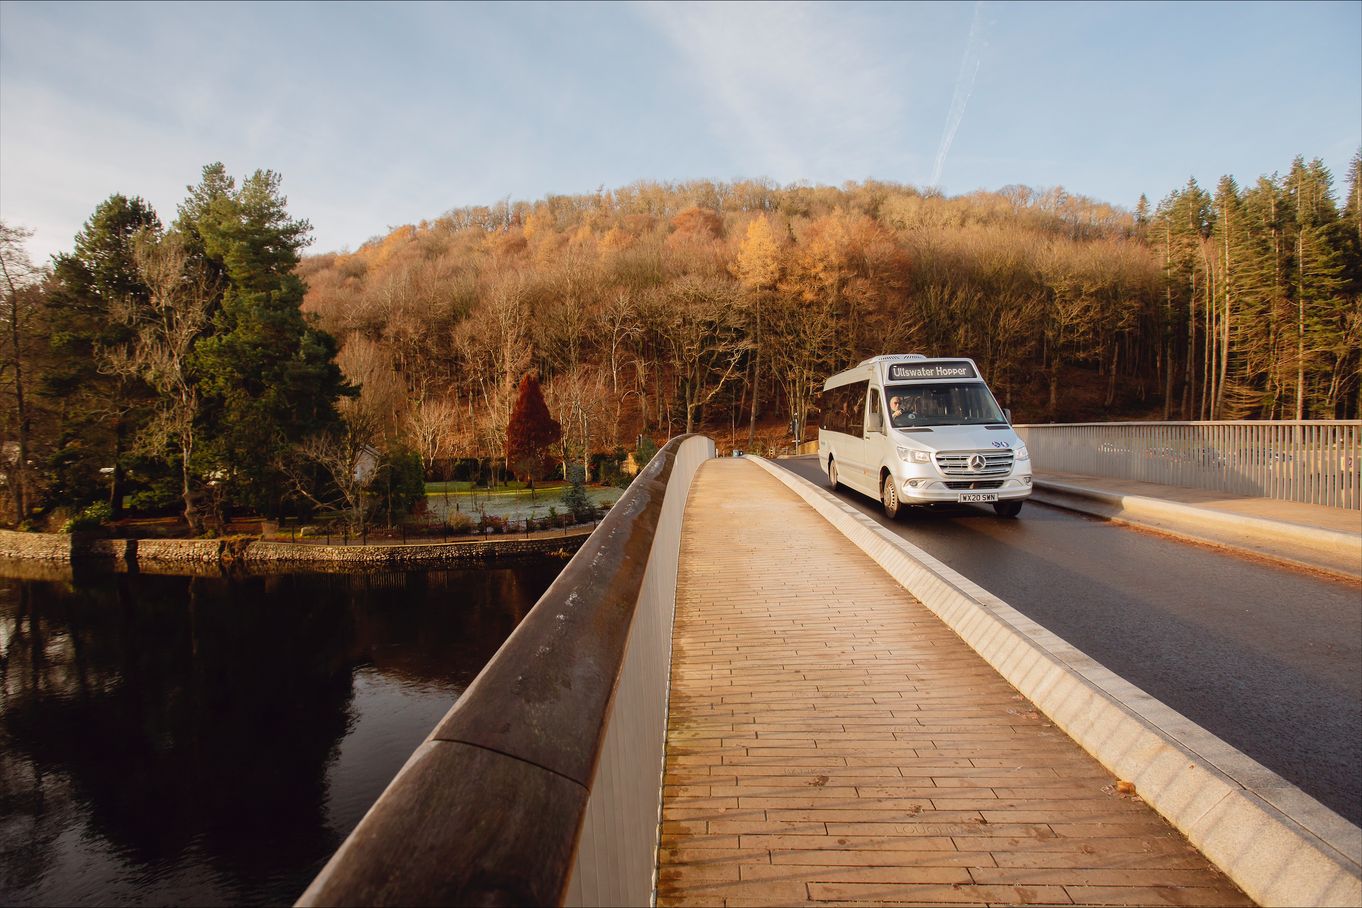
(743, 691)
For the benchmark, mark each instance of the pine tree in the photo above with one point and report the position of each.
(1243, 265)
(530, 432)
(92, 310)
(1322, 316)
(575, 498)
(268, 372)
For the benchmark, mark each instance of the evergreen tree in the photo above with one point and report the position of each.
(1268, 214)
(1244, 274)
(1183, 226)
(1321, 328)
(575, 498)
(268, 372)
(1352, 210)
(92, 310)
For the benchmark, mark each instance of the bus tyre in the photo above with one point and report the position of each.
(1007, 508)
(832, 474)
(889, 497)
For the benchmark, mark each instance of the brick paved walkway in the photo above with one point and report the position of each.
(831, 741)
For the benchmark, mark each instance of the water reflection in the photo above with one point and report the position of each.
(212, 740)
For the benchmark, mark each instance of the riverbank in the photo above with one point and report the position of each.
(255, 555)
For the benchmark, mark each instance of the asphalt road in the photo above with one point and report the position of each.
(1267, 657)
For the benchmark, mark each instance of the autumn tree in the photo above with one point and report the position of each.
(706, 340)
(757, 268)
(530, 432)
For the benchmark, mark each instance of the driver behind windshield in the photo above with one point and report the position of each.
(899, 414)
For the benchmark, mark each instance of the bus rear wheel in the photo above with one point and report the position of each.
(1007, 508)
(832, 474)
(889, 497)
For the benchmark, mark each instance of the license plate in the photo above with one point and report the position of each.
(978, 496)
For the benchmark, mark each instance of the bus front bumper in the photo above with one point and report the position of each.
(916, 490)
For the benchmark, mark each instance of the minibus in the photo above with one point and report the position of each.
(910, 430)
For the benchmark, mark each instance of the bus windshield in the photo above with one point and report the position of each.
(943, 404)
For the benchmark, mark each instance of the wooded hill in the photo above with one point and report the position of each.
(199, 362)
(658, 308)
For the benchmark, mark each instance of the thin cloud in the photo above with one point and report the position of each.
(793, 89)
(964, 89)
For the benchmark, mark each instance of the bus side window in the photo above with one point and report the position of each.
(874, 420)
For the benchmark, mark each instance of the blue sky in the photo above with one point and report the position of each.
(384, 114)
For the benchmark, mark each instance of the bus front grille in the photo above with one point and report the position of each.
(975, 463)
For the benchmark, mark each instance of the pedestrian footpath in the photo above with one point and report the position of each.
(1306, 534)
(831, 740)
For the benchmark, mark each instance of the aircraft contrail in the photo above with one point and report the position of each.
(964, 87)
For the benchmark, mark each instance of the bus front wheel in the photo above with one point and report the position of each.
(832, 474)
(1007, 508)
(889, 497)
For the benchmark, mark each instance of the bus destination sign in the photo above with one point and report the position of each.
(920, 371)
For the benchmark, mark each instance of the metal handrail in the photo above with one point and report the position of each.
(1307, 461)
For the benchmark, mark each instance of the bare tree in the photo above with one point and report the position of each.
(19, 276)
(804, 338)
(494, 344)
(706, 340)
(430, 429)
(167, 329)
(347, 457)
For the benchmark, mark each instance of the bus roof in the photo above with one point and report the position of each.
(912, 367)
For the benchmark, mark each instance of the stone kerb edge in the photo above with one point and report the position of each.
(1313, 546)
(1309, 857)
(58, 548)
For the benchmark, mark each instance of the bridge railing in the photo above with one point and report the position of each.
(543, 783)
(1311, 461)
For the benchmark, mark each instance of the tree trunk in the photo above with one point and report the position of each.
(756, 381)
(191, 510)
(118, 481)
(1111, 378)
(21, 408)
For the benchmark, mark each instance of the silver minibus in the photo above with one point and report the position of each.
(910, 430)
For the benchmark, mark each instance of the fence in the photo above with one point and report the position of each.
(543, 784)
(1314, 462)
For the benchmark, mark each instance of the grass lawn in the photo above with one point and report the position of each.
(507, 488)
(516, 504)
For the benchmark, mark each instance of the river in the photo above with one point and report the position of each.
(212, 740)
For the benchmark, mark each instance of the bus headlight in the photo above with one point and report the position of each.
(912, 456)
(1022, 454)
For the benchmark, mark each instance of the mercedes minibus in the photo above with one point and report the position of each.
(910, 430)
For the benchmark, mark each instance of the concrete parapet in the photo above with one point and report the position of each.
(542, 784)
(1281, 846)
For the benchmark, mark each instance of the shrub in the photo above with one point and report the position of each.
(646, 449)
(491, 523)
(575, 498)
(93, 517)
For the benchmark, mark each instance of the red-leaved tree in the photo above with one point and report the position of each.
(530, 432)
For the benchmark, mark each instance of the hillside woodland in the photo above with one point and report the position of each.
(655, 309)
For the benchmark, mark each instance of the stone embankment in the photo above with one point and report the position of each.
(159, 555)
